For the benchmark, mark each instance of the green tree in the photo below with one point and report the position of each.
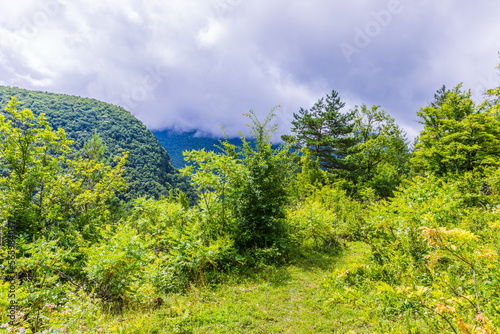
(95, 149)
(326, 132)
(364, 147)
(380, 155)
(218, 179)
(458, 136)
(309, 178)
(31, 155)
(57, 204)
(44, 191)
(261, 209)
(243, 190)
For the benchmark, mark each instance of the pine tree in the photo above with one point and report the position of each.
(326, 132)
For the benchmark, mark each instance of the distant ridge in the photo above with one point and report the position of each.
(149, 170)
(176, 143)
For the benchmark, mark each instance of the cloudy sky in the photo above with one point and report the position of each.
(199, 64)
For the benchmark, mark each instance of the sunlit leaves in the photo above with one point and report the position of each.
(380, 154)
(243, 190)
(458, 135)
(31, 155)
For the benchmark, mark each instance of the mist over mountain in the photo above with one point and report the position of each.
(178, 142)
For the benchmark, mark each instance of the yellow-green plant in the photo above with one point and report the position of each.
(324, 218)
(116, 262)
(184, 247)
(53, 204)
(243, 191)
(433, 258)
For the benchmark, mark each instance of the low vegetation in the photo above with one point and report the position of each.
(351, 231)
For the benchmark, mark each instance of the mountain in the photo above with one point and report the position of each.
(149, 169)
(176, 143)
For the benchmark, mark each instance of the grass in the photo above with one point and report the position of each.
(288, 299)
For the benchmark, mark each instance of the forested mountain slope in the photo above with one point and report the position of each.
(149, 170)
(176, 143)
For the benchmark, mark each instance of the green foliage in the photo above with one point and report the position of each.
(310, 177)
(364, 147)
(30, 156)
(42, 190)
(434, 257)
(325, 219)
(41, 293)
(380, 155)
(94, 148)
(85, 196)
(263, 196)
(183, 250)
(458, 135)
(56, 204)
(395, 225)
(218, 178)
(243, 191)
(116, 263)
(325, 131)
(434, 254)
(148, 168)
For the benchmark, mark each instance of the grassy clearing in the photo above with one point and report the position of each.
(289, 299)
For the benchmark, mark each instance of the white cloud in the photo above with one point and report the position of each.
(197, 64)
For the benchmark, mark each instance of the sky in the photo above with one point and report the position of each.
(201, 64)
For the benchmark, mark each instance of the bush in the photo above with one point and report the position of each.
(243, 191)
(184, 248)
(313, 224)
(115, 264)
(434, 258)
(43, 285)
(325, 218)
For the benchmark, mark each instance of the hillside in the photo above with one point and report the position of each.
(176, 143)
(149, 170)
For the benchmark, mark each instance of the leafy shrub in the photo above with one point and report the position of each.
(185, 249)
(43, 286)
(117, 262)
(433, 258)
(188, 261)
(243, 191)
(311, 223)
(325, 218)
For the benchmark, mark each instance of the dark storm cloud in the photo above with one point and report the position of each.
(200, 64)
